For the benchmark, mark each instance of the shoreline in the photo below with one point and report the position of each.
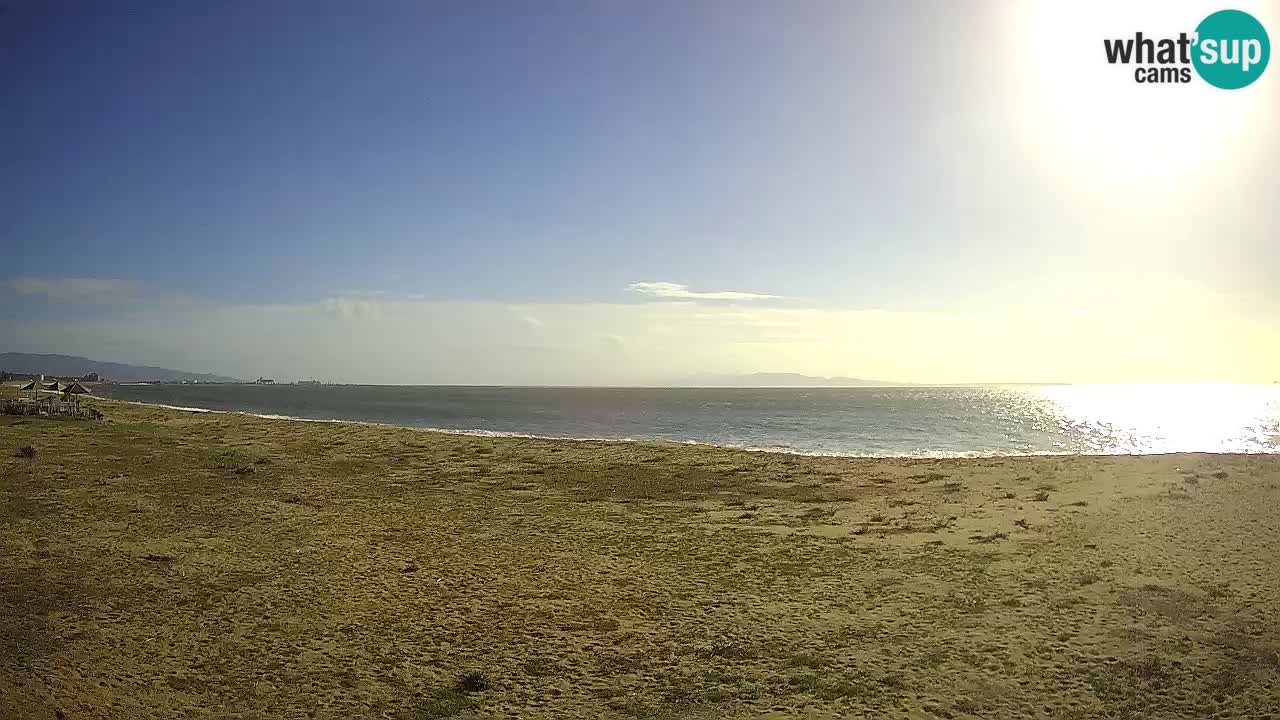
(927, 455)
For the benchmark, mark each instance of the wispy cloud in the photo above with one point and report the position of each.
(73, 290)
(468, 342)
(682, 292)
(533, 321)
(347, 308)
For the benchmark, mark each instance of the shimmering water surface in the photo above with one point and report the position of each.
(912, 421)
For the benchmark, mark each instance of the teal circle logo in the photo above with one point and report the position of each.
(1232, 49)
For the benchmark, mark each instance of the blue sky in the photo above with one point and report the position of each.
(555, 153)
(408, 159)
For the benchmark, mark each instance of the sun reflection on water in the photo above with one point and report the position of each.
(1166, 418)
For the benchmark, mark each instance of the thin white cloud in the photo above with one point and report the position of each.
(672, 290)
(348, 308)
(73, 290)
(363, 293)
(527, 317)
(1136, 334)
(1133, 330)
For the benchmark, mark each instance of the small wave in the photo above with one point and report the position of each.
(160, 405)
(917, 455)
(475, 432)
(1058, 451)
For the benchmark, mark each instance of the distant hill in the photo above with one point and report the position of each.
(67, 365)
(778, 380)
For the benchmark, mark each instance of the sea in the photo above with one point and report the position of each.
(916, 421)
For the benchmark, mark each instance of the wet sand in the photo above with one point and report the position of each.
(181, 565)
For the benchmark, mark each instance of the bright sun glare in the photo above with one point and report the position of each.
(1168, 418)
(1092, 124)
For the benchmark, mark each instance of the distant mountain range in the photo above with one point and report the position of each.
(68, 365)
(777, 380)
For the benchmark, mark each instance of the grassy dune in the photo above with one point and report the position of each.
(171, 564)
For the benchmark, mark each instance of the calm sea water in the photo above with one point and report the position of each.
(910, 421)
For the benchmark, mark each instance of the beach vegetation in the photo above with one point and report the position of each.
(473, 681)
(806, 660)
(438, 703)
(725, 647)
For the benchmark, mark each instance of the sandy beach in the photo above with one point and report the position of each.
(169, 564)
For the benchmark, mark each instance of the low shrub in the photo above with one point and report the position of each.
(473, 681)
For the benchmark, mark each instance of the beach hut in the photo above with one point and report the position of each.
(52, 402)
(72, 393)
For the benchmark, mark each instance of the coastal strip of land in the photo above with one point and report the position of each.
(197, 565)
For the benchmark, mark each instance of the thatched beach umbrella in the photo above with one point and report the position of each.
(73, 392)
(35, 392)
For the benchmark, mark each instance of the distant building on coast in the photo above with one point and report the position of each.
(307, 382)
(264, 381)
(6, 376)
